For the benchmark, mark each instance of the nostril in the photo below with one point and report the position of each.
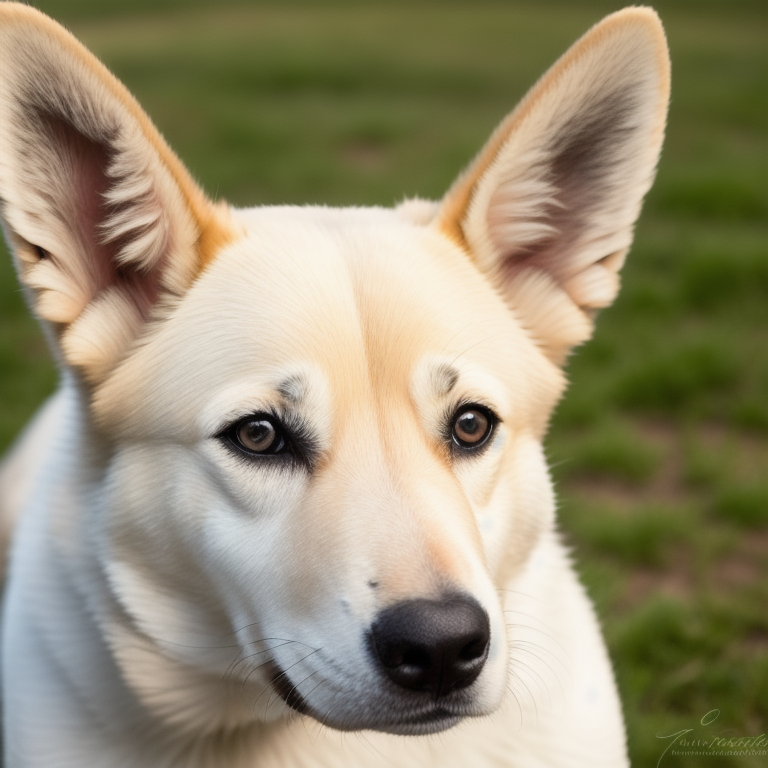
(415, 657)
(474, 649)
(432, 645)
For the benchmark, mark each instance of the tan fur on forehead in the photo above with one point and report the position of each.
(449, 312)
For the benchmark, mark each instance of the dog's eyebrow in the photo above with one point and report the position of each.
(444, 378)
(292, 389)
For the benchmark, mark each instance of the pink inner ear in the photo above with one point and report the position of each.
(80, 203)
(587, 192)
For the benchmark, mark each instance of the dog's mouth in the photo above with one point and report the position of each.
(431, 720)
(287, 691)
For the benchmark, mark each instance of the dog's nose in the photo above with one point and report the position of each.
(437, 646)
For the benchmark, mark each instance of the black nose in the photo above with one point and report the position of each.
(437, 646)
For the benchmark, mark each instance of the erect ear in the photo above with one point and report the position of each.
(103, 219)
(547, 208)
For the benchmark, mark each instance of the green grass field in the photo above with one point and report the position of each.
(660, 449)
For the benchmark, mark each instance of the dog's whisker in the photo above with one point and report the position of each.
(255, 669)
(317, 685)
(473, 346)
(530, 695)
(369, 745)
(513, 693)
(547, 633)
(246, 659)
(283, 673)
(325, 718)
(518, 593)
(515, 659)
(516, 663)
(295, 687)
(523, 645)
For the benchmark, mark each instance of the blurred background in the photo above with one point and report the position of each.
(660, 449)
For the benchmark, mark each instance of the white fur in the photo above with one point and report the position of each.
(154, 569)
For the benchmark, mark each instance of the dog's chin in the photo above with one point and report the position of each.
(432, 721)
(423, 723)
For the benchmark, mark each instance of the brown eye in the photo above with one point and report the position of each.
(472, 426)
(259, 434)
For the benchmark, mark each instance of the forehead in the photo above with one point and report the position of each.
(361, 285)
(361, 295)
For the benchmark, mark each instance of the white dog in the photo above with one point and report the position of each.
(293, 481)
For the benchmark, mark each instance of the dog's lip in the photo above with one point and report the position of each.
(286, 690)
(430, 717)
(424, 723)
(429, 721)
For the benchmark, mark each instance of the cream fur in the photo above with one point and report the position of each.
(161, 583)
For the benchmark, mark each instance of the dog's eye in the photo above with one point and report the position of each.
(472, 426)
(258, 434)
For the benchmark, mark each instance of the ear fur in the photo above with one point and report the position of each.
(103, 219)
(547, 208)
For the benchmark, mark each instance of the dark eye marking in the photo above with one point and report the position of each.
(268, 437)
(471, 427)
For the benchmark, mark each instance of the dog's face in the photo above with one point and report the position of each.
(320, 430)
(348, 422)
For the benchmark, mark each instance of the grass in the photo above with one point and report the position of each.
(660, 448)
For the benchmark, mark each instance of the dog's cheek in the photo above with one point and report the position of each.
(523, 510)
(509, 491)
(203, 540)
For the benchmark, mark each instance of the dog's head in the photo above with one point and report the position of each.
(320, 430)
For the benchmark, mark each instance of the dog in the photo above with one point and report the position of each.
(292, 485)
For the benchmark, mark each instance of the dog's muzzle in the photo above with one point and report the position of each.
(426, 652)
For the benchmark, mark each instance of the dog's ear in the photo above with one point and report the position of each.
(547, 208)
(103, 219)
